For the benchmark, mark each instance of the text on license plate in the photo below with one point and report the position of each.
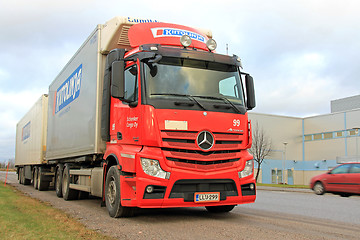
(207, 197)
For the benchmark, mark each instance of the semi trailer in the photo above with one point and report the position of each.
(145, 115)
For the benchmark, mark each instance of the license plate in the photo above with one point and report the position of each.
(207, 197)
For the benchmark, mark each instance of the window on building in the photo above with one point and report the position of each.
(308, 137)
(339, 134)
(352, 132)
(318, 136)
(328, 135)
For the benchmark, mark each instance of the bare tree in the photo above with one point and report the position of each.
(261, 146)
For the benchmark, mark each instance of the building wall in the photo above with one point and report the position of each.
(314, 144)
(345, 104)
(281, 129)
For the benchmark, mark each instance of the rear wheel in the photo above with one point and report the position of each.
(220, 209)
(21, 179)
(112, 195)
(26, 181)
(68, 194)
(319, 188)
(35, 177)
(58, 181)
(42, 184)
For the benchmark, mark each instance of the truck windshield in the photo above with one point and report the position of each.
(174, 78)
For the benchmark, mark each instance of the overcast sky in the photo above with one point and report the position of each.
(302, 54)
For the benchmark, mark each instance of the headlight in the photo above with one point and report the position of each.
(152, 168)
(248, 169)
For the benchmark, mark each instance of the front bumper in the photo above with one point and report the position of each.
(179, 191)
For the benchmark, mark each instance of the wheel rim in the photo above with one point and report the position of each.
(58, 181)
(319, 188)
(38, 177)
(64, 186)
(111, 192)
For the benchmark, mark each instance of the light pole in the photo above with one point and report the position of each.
(284, 159)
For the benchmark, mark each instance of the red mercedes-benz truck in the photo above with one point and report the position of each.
(144, 115)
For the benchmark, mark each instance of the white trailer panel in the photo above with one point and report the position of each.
(31, 135)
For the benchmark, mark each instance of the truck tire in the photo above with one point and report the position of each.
(42, 184)
(68, 194)
(59, 180)
(35, 177)
(220, 209)
(112, 195)
(26, 181)
(21, 170)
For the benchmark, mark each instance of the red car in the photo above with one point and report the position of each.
(343, 180)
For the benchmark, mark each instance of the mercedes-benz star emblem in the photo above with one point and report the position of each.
(205, 140)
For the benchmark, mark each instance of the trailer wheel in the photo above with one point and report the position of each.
(21, 181)
(220, 209)
(112, 195)
(42, 185)
(35, 177)
(68, 194)
(59, 180)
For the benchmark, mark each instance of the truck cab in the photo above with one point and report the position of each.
(177, 124)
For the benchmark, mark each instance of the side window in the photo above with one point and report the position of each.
(228, 87)
(355, 168)
(341, 169)
(131, 83)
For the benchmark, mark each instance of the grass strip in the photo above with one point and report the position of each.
(22, 217)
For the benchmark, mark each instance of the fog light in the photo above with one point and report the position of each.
(211, 44)
(149, 189)
(185, 40)
(252, 187)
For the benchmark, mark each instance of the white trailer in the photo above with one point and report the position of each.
(31, 139)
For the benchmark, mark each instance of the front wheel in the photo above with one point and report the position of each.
(112, 195)
(220, 209)
(319, 188)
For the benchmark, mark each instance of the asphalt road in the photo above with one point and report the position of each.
(275, 215)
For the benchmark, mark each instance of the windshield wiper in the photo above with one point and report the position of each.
(182, 95)
(223, 99)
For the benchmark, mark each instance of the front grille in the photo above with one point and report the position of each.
(180, 148)
(202, 162)
(186, 188)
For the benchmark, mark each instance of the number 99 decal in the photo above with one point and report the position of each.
(236, 122)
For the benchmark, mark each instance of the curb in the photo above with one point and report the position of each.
(284, 189)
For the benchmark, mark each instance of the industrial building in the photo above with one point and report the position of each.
(305, 147)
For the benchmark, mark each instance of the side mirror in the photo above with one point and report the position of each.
(117, 79)
(250, 92)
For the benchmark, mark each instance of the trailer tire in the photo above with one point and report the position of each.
(112, 195)
(42, 185)
(35, 177)
(21, 181)
(68, 193)
(59, 181)
(220, 209)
